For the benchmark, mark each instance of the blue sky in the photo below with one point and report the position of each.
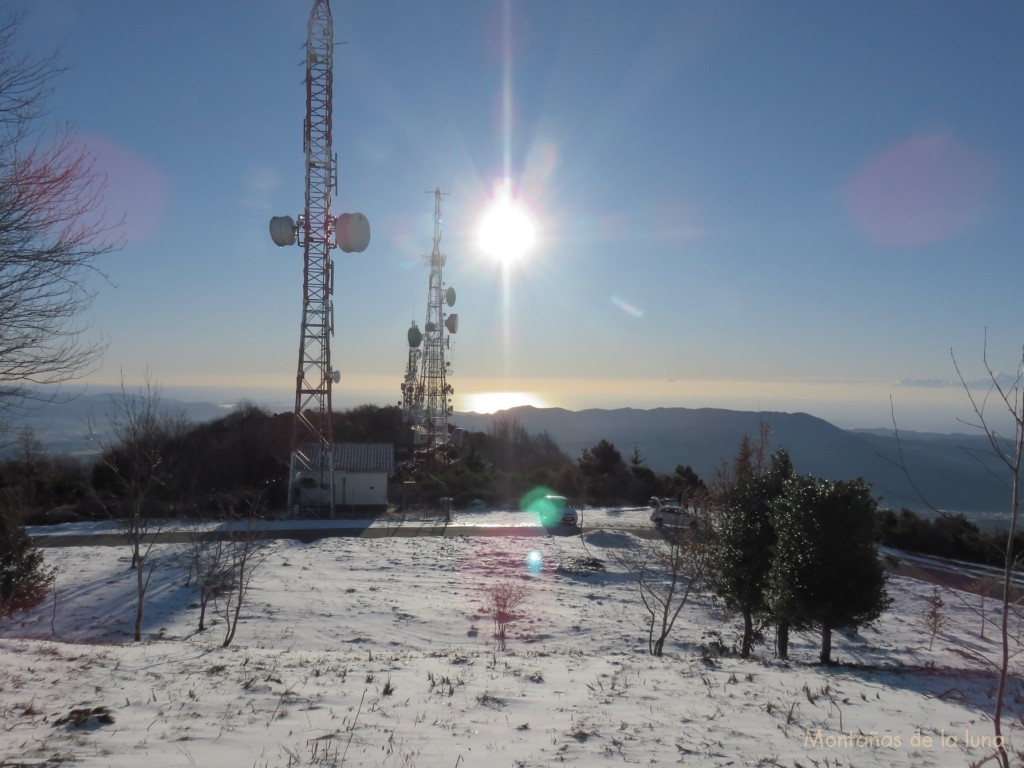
(786, 206)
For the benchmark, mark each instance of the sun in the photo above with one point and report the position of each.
(507, 231)
(491, 402)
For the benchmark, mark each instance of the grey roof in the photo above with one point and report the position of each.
(359, 457)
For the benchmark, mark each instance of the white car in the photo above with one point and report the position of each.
(671, 512)
(555, 510)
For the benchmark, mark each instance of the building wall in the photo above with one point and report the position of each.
(360, 489)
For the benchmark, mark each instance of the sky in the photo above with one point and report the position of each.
(785, 206)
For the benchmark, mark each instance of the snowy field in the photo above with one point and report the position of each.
(380, 652)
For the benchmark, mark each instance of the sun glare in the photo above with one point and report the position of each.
(507, 231)
(489, 402)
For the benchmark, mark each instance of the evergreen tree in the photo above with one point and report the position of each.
(743, 551)
(602, 459)
(604, 472)
(825, 571)
(24, 576)
(688, 481)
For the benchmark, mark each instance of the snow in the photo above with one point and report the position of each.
(379, 651)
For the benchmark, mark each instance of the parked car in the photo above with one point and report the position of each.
(674, 512)
(555, 510)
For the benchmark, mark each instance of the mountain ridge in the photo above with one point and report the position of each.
(954, 472)
(946, 472)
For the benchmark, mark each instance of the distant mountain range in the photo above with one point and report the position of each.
(63, 426)
(954, 473)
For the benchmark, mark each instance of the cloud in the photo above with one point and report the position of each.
(1004, 380)
(928, 383)
(262, 179)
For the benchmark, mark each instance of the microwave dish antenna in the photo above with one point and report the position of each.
(426, 393)
(317, 231)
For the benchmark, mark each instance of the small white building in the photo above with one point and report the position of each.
(358, 481)
(361, 472)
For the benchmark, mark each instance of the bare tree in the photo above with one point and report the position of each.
(749, 461)
(502, 601)
(245, 552)
(51, 232)
(138, 461)
(667, 571)
(29, 448)
(1008, 397)
(207, 561)
(985, 586)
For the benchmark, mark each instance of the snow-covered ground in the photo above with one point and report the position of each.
(379, 652)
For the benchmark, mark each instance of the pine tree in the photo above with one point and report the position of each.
(826, 571)
(934, 619)
(743, 551)
(25, 578)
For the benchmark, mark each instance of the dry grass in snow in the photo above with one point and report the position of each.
(381, 652)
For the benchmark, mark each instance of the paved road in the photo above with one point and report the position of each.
(462, 523)
(307, 534)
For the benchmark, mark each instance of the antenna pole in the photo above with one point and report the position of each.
(317, 231)
(428, 402)
(312, 430)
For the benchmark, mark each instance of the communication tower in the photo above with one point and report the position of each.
(412, 395)
(426, 394)
(317, 232)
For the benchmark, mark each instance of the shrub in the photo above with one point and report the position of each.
(25, 579)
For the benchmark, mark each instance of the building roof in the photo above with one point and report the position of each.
(358, 457)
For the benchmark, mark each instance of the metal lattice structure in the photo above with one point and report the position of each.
(312, 423)
(427, 397)
(412, 396)
(317, 232)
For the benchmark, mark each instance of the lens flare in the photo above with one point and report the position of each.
(926, 189)
(628, 308)
(542, 504)
(534, 561)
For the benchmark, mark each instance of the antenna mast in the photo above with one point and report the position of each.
(427, 402)
(317, 232)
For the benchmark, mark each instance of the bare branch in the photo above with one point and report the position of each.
(1010, 452)
(51, 233)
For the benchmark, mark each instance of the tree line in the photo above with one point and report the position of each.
(209, 466)
(205, 467)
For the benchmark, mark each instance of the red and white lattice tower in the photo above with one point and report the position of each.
(317, 232)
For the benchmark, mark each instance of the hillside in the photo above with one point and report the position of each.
(951, 472)
(379, 653)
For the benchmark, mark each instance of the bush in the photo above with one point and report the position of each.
(947, 535)
(25, 579)
(502, 600)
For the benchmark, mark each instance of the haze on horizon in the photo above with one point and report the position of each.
(759, 206)
(920, 415)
